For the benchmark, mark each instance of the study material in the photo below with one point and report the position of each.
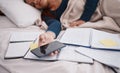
(19, 44)
(105, 40)
(76, 36)
(106, 57)
(88, 37)
(17, 50)
(24, 36)
(67, 54)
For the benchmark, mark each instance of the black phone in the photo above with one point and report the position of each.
(47, 49)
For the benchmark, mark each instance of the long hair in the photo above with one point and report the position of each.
(24, 1)
(46, 12)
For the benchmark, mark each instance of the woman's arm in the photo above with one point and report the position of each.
(53, 25)
(89, 9)
(54, 28)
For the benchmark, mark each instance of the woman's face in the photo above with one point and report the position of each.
(39, 4)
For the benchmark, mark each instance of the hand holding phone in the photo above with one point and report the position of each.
(47, 49)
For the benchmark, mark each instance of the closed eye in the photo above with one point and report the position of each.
(32, 4)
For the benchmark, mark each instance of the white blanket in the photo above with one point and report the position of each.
(31, 66)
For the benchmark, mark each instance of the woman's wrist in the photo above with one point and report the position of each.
(51, 34)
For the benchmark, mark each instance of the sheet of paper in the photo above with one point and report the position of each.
(24, 36)
(76, 36)
(69, 54)
(110, 58)
(17, 50)
(105, 40)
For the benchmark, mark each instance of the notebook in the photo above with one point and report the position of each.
(67, 54)
(88, 37)
(76, 36)
(107, 57)
(19, 44)
(17, 50)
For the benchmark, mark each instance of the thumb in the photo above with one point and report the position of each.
(42, 39)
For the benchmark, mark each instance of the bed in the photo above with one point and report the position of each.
(20, 65)
(31, 66)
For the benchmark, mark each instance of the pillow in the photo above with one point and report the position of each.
(6, 23)
(1, 13)
(22, 14)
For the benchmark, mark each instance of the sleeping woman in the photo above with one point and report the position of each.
(52, 11)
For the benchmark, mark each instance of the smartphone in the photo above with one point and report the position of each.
(47, 49)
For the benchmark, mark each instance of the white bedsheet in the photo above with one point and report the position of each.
(32, 66)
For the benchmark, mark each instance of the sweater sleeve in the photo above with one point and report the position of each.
(89, 9)
(53, 25)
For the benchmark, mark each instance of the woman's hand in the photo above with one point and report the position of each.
(77, 23)
(46, 38)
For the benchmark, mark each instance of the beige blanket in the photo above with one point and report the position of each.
(106, 16)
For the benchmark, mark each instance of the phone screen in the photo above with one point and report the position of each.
(47, 49)
(43, 48)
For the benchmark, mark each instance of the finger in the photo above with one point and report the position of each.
(77, 24)
(42, 39)
(56, 52)
(73, 24)
(52, 54)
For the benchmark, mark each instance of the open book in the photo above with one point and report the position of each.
(20, 43)
(89, 37)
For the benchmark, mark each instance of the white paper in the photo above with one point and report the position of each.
(110, 58)
(16, 50)
(100, 35)
(68, 53)
(76, 36)
(23, 36)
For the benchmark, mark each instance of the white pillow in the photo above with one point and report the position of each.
(20, 13)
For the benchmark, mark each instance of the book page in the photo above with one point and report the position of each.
(16, 50)
(68, 54)
(23, 36)
(76, 36)
(105, 40)
(110, 58)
